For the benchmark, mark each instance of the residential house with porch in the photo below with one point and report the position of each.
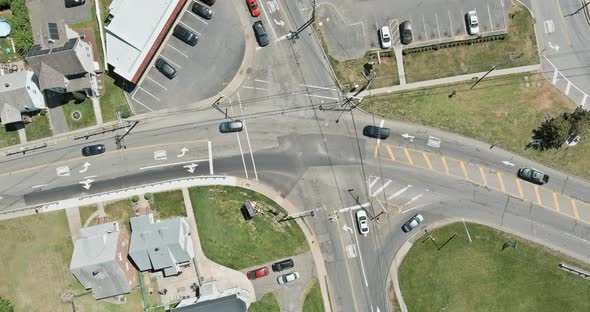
(19, 94)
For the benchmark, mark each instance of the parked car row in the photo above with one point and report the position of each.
(186, 36)
(276, 267)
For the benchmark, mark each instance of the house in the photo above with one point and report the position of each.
(211, 300)
(64, 63)
(19, 93)
(100, 262)
(130, 48)
(164, 245)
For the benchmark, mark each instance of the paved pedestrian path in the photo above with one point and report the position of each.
(97, 111)
(74, 222)
(22, 135)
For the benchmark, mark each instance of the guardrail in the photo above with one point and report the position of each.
(576, 270)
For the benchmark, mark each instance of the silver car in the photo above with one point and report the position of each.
(472, 23)
(287, 278)
(412, 223)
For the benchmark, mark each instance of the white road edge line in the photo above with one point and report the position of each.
(317, 87)
(157, 83)
(172, 164)
(248, 138)
(210, 157)
(38, 186)
(170, 45)
(240, 145)
(342, 210)
(360, 253)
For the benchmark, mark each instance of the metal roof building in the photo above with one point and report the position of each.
(136, 29)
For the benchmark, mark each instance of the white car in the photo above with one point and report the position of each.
(472, 23)
(385, 37)
(287, 278)
(361, 219)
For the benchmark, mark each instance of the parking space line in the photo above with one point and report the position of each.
(390, 152)
(248, 138)
(144, 90)
(556, 202)
(157, 83)
(451, 22)
(463, 169)
(483, 176)
(197, 17)
(490, 15)
(437, 27)
(167, 59)
(575, 209)
(539, 201)
(502, 186)
(503, 14)
(463, 14)
(408, 156)
(175, 49)
(444, 161)
(425, 31)
(136, 100)
(519, 188)
(427, 160)
(187, 26)
(269, 22)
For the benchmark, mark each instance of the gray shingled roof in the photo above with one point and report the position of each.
(160, 245)
(229, 303)
(94, 261)
(64, 61)
(14, 96)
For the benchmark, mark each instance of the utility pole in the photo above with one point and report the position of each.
(119, 138)
(349, 99)
(294, 35)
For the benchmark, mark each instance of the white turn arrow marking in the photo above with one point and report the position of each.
(85, 167)
(191, 168)
(280, 22)
(182, 152)
(507, 163)
(554, 47)
(410, 137)
(347, 228)
(86, 183)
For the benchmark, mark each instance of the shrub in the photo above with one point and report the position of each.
(4, 5)
(124, 111)
(6, 305)
(135, 198)
(43, 112)
(21, 27)
(79, 96)
(147, 196)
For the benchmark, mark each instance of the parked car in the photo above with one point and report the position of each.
(405, 32)
(258, 273)
(376, 132)
(412, 223)
(385, 37)
(231, 126)
(532, 175)
(260, 33)
(361, 220)
(253, 6)
(287, 278)
(208, 2)
(185, 35)
(202, 10)
(92, 150)
(472, 23)
(165, 68)
(73, 3)
(282, 265)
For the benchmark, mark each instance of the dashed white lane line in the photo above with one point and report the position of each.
(197, 17)
(189, 28)
(175, 49)
(248, 138)
(167, 59)
(158, 83)
(210, 157)
(263, 81)
(173, 164)
(34, 187)
(359, 253)
(318, 87)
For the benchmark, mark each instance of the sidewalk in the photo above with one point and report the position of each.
(448, 80)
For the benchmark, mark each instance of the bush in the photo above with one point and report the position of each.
(4, 5)
(124, 111)
(43, 112)
(21, 27)
(135, 198)
(147, 196)
(79, 96)
(6, 305)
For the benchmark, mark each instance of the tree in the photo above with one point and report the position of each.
(554, 131)
(6, 305)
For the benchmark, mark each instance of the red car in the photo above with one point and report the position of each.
(252, 275)
(253, 6)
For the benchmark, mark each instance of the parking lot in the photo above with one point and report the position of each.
(431, 20)
(202, 70)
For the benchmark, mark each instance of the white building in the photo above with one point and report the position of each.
(19, 93)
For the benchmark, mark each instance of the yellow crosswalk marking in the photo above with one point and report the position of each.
(539, 201)
(501, 182)
(444, 161)
(463, 169)
(556, 202)
(408, 156)
(427, 160)
(390, 152)
(483, 176)
(575, 209)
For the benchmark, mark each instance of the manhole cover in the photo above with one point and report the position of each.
(76, 115)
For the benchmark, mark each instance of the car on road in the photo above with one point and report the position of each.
(412, 223)
(208, 2)
(532, 175)
(260, 33)
(92, 150)
(185, 35)
(231, 126)
(385, 37)
(287, 278)
(258, 273)
(73, 3)
(202, 10)
(472, 23)
(283, 265)
(376, 132)
(362, 221)
(253, 6)
(165, 68)
(405, 33)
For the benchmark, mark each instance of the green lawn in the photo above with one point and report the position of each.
(86, 212)
(230, 241)
(112, 99)
(479, 57)
(38, 128)
(121, 211)
(8, 137)
(268, 303)
(88, 119)
(478, 276)
(502, 110)
(169, 204)
(313, 299)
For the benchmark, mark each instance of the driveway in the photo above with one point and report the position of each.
(54, 11)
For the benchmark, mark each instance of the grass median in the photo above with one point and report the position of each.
(313, 298)
(231, 241)
(268, 303)
(500, 110)
(519, 49)
(479, 276)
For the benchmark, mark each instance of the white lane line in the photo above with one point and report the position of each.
(189, 28)
(322, 97)
(248, 138)
(398, 193)
(240, 145)
(437, 27)
(197, 17)
(379, 190)
(158, 83)
(317, 87)
(136, 100)
(490, 15)
(175, 49)
(210, 157)
(360, 253)
(380, 126)
(415, 198)
(255, 88)
(144, 90)
(90, 177)
(263, 81)
(167, 59)
(341, 210)
(269, 22)
(172, 164)
(38, 186)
